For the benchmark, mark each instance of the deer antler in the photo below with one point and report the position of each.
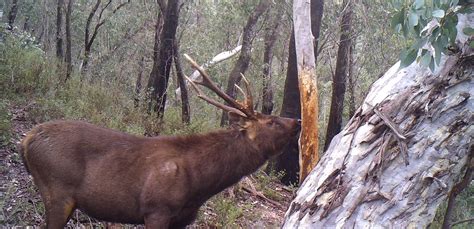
(243, 110)
(248, 96)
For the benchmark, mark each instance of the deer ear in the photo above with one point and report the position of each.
(238, 121)
(234, 118)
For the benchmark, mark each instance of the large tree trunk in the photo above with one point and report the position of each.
(68, 58)
(271, 35)
(288, 161)
(339, 77)
(161, 68)
(244, 59)
(307, 84)
(59, 25)
(400, 155)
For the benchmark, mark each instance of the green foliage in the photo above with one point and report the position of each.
(5, 123)
(264, 182)
(464, 209)
(22, 66)
(227, 212)
(411, 18)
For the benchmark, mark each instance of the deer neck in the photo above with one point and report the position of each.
(229, 157)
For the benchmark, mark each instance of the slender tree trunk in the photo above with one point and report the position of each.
(26, 25)
(59, 25)
(244, 59)
(12, 14)
(340, 75)
(271, 35)
(156, 56)
(288, 161)
(87, 38)
(317, 8)
(161, 70)
(68, 58)
(400, 155)
(138, 83)
(185, 115)
(351, 79)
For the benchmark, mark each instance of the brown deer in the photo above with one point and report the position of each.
(159, 181)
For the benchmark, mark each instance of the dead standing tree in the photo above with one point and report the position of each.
(401, 153)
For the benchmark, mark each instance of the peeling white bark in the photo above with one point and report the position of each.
(401, 153)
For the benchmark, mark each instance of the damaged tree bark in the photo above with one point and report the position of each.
(308, 88)
(401, 153)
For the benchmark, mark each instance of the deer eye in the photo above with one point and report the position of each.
(273, 123)
(270, 123)
(278, 124)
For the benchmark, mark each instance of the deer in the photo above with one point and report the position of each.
(159, 181)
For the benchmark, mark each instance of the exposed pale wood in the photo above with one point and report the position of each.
(308, 87)
(369, 177)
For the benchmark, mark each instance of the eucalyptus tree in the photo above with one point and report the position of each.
(159, 76)
(288, 162)
(12, 14)
(410, 143)
(340, 74)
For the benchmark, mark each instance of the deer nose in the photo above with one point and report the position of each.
(298, 121)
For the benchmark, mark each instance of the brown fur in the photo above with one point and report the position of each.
(160, 181)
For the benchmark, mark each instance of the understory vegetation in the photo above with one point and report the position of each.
(33, 90)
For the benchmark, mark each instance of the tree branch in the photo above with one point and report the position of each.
(101, 22)
(89, 21)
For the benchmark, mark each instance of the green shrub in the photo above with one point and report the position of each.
(5, 124)
(227, 212)
(23, 69)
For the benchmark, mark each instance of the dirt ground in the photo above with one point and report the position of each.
(236, 207)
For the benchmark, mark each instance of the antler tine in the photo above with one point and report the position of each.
(207, 82)
(202, 96)
(249, 97)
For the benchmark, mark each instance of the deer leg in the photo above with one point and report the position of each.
(58, 211)
(157, 220)
(185, 217)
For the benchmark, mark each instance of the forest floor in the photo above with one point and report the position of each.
(237, 207)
